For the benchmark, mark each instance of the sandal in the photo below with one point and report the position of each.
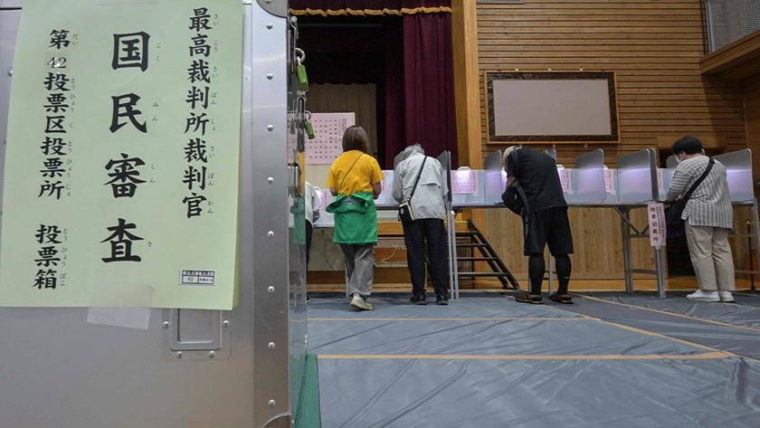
(529, 298)
(563, 298)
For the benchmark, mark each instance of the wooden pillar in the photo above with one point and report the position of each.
(464, 33)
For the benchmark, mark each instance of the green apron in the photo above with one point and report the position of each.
(355, 219)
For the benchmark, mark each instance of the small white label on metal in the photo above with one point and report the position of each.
(197, 277)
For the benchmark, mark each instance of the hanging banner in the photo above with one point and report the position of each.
(121, 177)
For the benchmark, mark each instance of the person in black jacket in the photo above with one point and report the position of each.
(545, 219)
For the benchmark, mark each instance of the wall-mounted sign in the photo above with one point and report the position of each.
(121, 180)
(551, 107)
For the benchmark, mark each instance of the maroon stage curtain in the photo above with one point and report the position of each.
(334, 7)
(418, 85)
(394, 93)
(429, 113)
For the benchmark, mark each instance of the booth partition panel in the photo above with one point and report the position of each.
(739, 170)
(587, 179)
(637, 178)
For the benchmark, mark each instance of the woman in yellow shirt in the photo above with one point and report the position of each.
(354, 179)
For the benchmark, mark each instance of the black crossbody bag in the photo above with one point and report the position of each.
(673, 212)
(405, 213)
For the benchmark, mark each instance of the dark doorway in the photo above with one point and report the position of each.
(406, 55)
(345, 50)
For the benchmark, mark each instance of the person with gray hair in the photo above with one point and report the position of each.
(425, 236)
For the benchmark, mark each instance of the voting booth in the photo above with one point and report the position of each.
(741, 190)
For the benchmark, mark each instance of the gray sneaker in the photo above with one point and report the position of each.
(359, 303)
(726, 297)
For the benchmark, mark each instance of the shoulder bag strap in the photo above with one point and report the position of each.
(515, 155)
(418, 178)
(349, 170)
(700, 180)
(523, 196)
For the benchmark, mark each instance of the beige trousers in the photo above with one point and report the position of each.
(711, 257)
(360, 268)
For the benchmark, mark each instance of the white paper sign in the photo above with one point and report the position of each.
(327, 144)
(609, 181)
(657, 228)
(464, 181)
(565, 180)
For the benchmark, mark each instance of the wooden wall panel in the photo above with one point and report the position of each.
(597, 240)
(655, 48)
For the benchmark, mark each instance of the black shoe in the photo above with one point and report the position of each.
(418, 299)
(529, 298)
(563, 298)
(442, 299)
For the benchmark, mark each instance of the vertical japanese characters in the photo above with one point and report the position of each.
(200, 100)
(55, 149)
(131, 54)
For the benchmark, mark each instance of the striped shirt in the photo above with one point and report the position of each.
(710, 204)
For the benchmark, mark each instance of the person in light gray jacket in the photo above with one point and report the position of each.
(708, 220)
(426, 235)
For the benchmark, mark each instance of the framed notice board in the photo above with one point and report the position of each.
(551, 107)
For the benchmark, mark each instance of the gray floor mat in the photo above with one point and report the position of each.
(539, 394)
(745, 312)
(487, 361)
(729, 327)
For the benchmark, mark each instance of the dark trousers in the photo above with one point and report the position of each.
(309, 232)
(427, 237)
